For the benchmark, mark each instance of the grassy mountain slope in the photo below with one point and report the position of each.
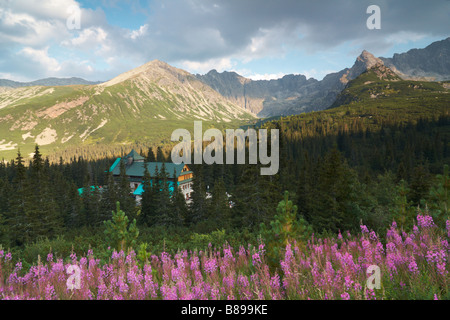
(144, 104)
(381, 89)
(376, 96)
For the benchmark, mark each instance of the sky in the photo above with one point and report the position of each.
(259, 39)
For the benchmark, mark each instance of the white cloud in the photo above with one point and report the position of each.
(220, 65)
(266, 76)
(42, 58)
(199, 35)
(134, 34)
(316, 74)
(405, 37)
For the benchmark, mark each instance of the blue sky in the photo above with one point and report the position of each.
(259, 39)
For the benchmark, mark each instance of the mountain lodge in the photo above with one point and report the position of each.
(178, 174)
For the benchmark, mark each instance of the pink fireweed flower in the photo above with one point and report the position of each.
(49, 292)
(364, 229)
(210, 265)
(195, 263)
(447, 226)
(413, 266)
(18, 266)
(83, 261)
(441, 268)
(130, 257)
(345, 296)
(256, 259)
(425, 221)
(261, 247)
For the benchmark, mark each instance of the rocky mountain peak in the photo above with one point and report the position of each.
(153, 70)
(364, 62)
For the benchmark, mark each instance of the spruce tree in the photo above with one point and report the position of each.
(178, 210)
(17, 219)
(148, 202)
(119, 232)
(219, 211)
(159, 155)
(150, 155)
(109, 193)
(124, 192)
(335, 195)
(43, 213)
(198, 206)
(284, 228)
(163, 197)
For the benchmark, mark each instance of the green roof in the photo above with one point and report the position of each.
(137, 169)
(140, 190)
(114, 164)
(92, 188)
(136, 156)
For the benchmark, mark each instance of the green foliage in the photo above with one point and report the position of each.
(403, 211)
(285, 228)
(336, 194)
(148, 202)
(202, 241)
(142, 254)
(439, 199)
(120, 234)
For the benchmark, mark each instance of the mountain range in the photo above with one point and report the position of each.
(147, 103)
(294, 94)
(143, 104)
(46, 82)
(431, 63)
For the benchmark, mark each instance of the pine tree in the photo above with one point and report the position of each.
(159, 155)
(148, 202)
(178, 209)
(335, 195)
(198, 206)
(440, 195)
(43, 213)
(256, 198)
(124, 192)
(219, 207)
(17, 219)
(109, 193)
(420, 184)
(150, 155)
(121, 234)
(284, 228)
(163, 197)
(4, 208)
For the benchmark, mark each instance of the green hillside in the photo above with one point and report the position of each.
(144, 105)
(380, 92)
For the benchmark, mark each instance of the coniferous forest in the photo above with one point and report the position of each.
(338, 178)
(338, 174)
